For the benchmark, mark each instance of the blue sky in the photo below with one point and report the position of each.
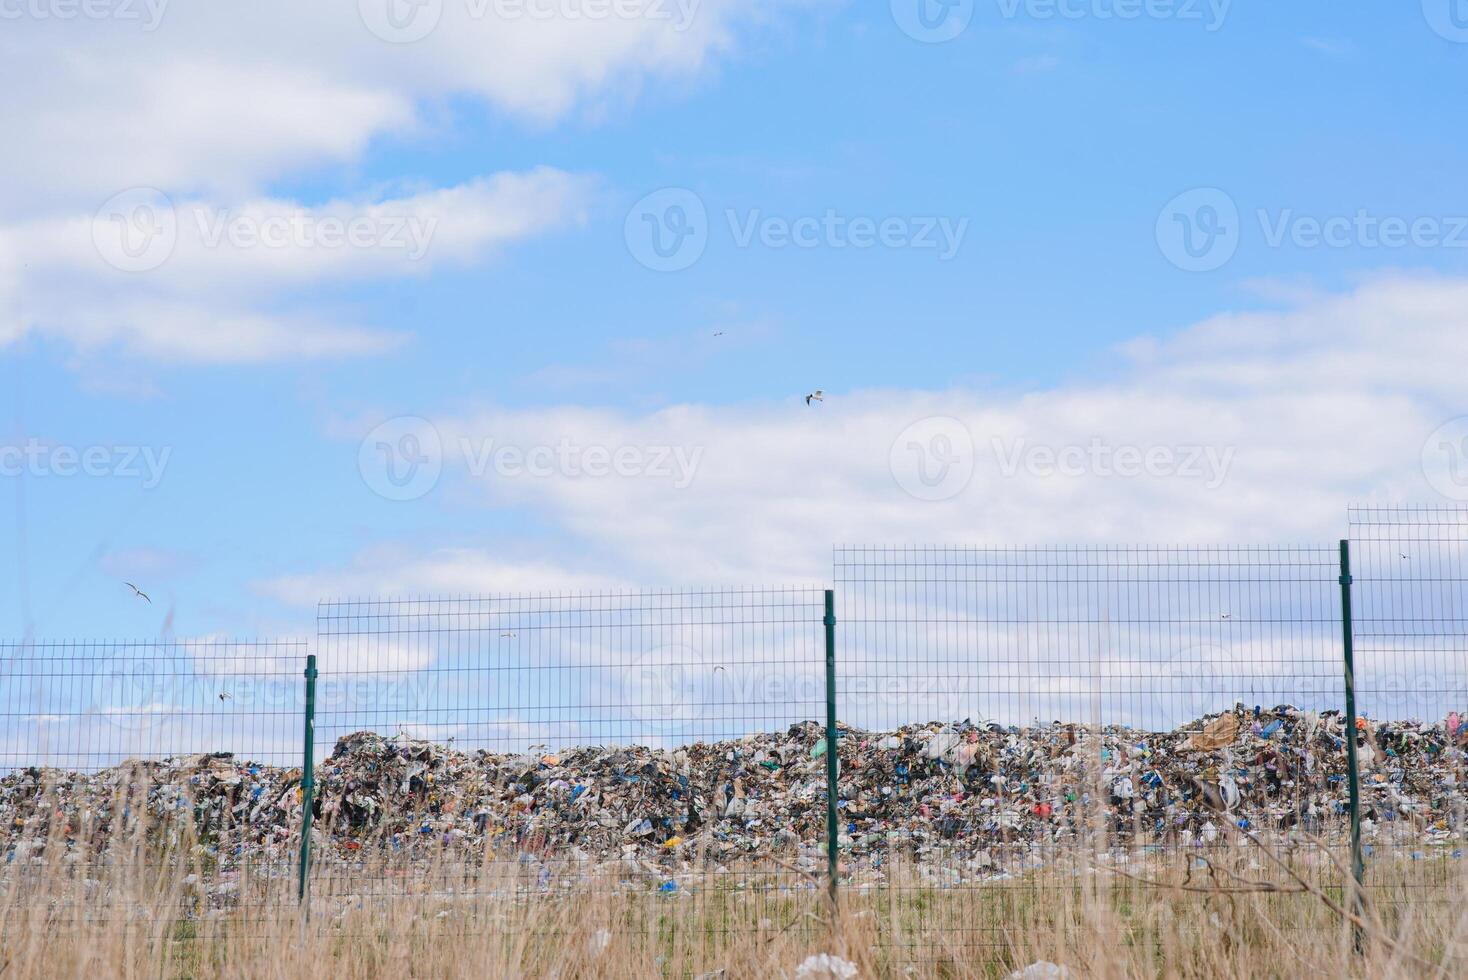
(1056, 143)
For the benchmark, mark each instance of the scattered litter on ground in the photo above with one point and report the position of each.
(825, 966)
(1041, 970)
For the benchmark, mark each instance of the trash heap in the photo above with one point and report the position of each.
(973, 795)
(218, 807)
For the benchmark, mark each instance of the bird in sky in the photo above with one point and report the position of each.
(718, 333)
(138, 592)
(1226, 616)
(507, 636)
(1406, 557)
(225, 695)
(816, 396)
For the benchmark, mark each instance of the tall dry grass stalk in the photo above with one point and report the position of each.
(134, 899)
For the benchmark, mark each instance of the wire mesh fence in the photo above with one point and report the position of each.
(1022, 721)
(1014, 726)
(647, 745)
(125, 761)
(1411, 657)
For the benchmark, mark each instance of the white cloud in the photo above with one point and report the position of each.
(209, 104)
(186, 281)
(217, 98)
(98, 118)
(1302, 410)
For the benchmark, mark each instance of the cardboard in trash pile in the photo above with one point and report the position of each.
(965, 800)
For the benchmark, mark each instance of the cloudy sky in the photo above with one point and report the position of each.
(469, 296)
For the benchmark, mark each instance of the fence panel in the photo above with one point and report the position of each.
(1411, 633)
(129, 764)
(1027, 721)
(658, 749)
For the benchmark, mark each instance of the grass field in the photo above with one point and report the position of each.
(1247, 916)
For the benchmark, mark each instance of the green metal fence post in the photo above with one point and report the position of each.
(308, 780)
(1353, 772)
(833, 818)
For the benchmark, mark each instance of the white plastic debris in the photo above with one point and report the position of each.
(825, 966)
(1041, 970)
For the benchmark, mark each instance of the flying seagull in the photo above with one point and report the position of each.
(225, 695)
(138, 592)
(816, 396)
(1226, 616)
(507, 636)
(718, 333)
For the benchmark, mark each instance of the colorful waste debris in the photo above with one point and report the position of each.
(994, 795)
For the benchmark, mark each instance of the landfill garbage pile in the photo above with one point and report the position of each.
(997, 796)
(224, 811)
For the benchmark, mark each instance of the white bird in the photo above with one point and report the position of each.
(507, 636)
(816, 396)
(1226, 616)
(138, 592)
(225, 695)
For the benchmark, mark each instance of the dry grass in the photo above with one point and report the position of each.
(145, 919)
(80, 902)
